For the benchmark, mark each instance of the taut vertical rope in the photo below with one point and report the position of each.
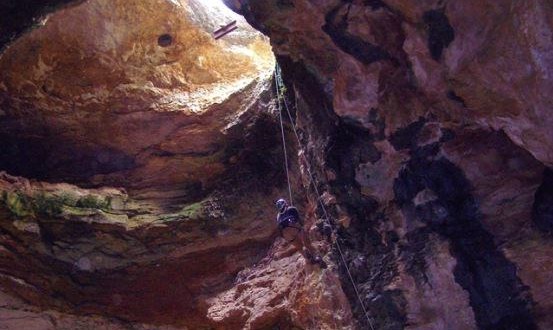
(319, 199)
(277, 87)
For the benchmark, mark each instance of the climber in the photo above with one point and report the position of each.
(290, 226)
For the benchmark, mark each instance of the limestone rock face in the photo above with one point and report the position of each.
(73, 251)
(505, 82)
(282, 286)
(140, 161)
(20, 16)
(428, 124)
(425, 124)
(135, 94)
(461, 66)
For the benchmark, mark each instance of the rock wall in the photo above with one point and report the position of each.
(96, 100)
(147, 158)
(428, 125)
(140, 161)
(21, 16)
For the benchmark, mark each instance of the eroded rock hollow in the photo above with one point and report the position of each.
(140, 158)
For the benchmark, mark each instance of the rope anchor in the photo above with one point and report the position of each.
(224, 30)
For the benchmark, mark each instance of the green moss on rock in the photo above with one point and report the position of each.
(21, 205)
(94, 202)
(17, 203)
(193, 211)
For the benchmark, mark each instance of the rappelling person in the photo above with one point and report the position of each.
(290, 226)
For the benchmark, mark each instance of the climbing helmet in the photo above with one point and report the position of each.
(281, 204)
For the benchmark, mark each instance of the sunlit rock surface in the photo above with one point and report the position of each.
(140, 161)
(92, 97)
(146, 157)
(426, 125)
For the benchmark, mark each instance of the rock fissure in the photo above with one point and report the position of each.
(336, 27)
(497, 295)
(440, 32)
(140, 157)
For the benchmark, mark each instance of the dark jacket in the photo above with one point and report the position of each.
(289, 216)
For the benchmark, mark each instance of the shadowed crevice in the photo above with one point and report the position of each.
(21, 15)
(498, 297)
(337, 28)
(542, 210)
(440, 32)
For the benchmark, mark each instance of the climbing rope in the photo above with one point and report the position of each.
(279, 82)
(277, 87)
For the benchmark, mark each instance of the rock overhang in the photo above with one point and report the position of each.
(129, 92)
(93, 51)
(132, 129)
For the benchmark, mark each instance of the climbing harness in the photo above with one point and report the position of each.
(288, 218)
(279, 87)
(224, 30)
(288, 224)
